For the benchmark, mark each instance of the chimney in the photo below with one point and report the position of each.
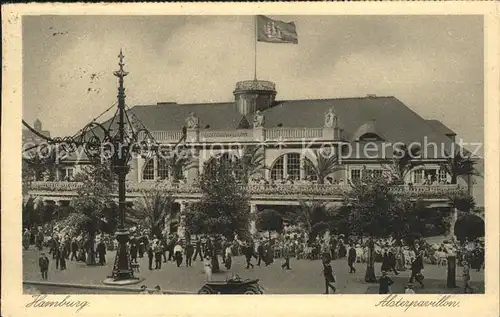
(253, 95)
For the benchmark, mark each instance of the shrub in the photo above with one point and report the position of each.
(470, 227)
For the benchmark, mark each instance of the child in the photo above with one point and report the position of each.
(466, 276)
(329, 277)
(384, 283)
(207, 267)
(409, 289)
(43, 262)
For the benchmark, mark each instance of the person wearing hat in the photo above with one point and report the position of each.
(178, 250)
(150, 256)
(158, 289)
(416, 269)
(466, 276)
(329, 276)
(144, 290)
(351, 259)
(157, 249)
(384, 283)
(43, 263)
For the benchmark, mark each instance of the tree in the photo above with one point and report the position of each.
(223, 208)
(403, 162)
(31, 212)
(93, 205)
(250, 163)
(269, 220)
(469, 226)
(341, 220)
(461, 165)
(325, 163)
(376, 211)
(154, 209)
(310, 213)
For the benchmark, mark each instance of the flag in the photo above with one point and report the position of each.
(274, 31)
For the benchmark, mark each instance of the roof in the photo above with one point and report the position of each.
(29, 136)
(172, 116)
(440, 127)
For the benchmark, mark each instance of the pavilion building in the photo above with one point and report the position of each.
(365, 130)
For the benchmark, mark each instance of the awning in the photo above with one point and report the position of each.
(438, 205)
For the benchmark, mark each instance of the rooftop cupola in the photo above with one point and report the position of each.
(253, 95)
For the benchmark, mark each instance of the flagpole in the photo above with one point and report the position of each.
(255, 48)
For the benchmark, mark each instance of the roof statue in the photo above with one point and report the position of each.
(192, 121)
(38, 125)
(258, 120)
(331, 120)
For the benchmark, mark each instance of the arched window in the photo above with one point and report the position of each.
(293, 166)
(277, 170)
(148, 172)
(286, 166)
(309, 170)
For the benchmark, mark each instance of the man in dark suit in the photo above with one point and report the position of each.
(74, 249)
(189, 252)
(150, 256)
(134, 248)
(260, 252)
(198, 250)
(416, 269)
(351, 259)
(101, 250)
(43, 262)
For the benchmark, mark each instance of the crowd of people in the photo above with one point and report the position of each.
(394, 255)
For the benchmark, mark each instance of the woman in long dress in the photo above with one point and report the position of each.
(207, 267)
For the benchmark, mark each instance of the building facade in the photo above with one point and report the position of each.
(365, 134)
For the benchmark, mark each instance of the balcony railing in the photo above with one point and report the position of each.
(208, 135)
(324, 190)
(294, 133)
(166, 136)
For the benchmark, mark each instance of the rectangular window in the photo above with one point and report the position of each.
(355, 175)
(417, 177)
(443, 177)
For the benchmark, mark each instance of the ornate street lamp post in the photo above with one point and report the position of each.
(370, 263)
(100, 145)
(121, 148)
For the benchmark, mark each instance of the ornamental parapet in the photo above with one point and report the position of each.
(275, 190)
(248, 135)
(256, 85)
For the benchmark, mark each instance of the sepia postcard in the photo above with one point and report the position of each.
(332, 159)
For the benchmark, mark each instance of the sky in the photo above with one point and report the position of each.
(433, 64)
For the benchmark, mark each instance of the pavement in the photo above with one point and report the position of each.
(306, 277)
